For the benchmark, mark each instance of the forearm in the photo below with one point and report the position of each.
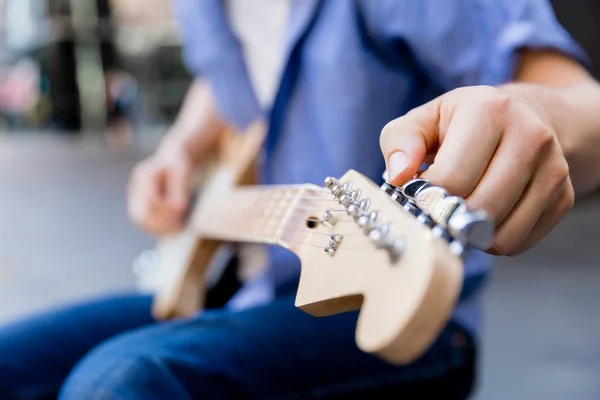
(197, 125)
(570, 98)
(580, 128)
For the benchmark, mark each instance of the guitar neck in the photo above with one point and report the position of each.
(259, 214)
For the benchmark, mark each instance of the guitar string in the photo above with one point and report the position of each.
(267, 214)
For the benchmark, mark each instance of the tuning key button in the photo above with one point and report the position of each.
(428, 198)
(412, 188)
(445, 208)
(347, 186)
(473, 228)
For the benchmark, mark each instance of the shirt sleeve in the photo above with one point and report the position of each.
(211, 51)
(476, 42)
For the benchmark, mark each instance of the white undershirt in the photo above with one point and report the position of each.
(260, 27)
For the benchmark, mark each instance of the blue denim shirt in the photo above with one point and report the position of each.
(351, 66)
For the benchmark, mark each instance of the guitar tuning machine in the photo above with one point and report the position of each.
(330, 182)
(448, 216)
(383, 238)
(380, 236)
(348, 198)
(387, 186)
(369, 221)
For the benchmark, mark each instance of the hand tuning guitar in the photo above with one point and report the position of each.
(392, 252)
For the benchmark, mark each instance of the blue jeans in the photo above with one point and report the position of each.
(110, 348)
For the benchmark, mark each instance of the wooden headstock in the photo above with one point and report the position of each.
(406, 295)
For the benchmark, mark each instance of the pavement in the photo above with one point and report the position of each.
(65, 236)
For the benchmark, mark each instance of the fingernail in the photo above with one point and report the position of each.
(397, 163)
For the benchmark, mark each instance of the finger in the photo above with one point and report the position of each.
(146, 196)
(510, 170)
(156, 218)
(545, 188)
(178, 188)
(468, 145)
(407, 140)
(548, 220)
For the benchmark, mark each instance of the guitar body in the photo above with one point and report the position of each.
(184, 260)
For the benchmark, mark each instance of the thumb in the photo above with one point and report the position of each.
(406, 141)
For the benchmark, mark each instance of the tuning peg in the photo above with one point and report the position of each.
(411, 188)
(354, 211)
(358, 208)
(474, 228)
(345, 200)
(337, 190)
(341, 190)
(330, 182)
(349, 198)
(381, 236)
(364, 204)
(396, 249)
(368, 221)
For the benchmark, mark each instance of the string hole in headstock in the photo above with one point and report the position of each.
(312, 222)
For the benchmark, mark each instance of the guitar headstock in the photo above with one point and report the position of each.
(395, 253)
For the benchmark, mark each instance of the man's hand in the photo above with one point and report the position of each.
(159, 190)
(160, 186)
(495, 147)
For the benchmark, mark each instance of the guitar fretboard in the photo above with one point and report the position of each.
(260, 214)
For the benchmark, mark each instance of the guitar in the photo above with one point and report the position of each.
(393, 253)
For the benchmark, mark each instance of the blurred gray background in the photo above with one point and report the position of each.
(64, 168)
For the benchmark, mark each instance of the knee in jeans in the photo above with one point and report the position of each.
(112, 372)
